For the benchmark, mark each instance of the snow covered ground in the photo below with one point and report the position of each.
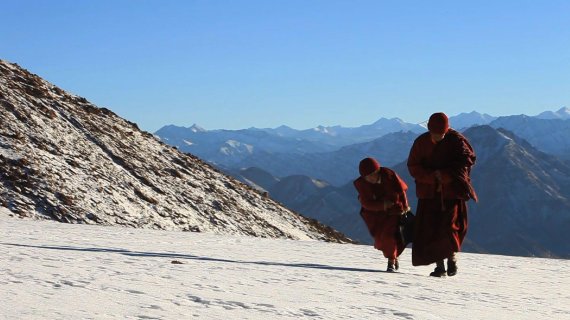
(51, 270)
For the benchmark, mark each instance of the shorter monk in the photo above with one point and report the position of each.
(382, 195)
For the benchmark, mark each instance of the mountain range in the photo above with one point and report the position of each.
(284, 151)
(63, 158)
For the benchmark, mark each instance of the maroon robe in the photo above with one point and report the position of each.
(383, 224)
(441, 215)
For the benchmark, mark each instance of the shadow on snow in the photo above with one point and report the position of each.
(192, 257)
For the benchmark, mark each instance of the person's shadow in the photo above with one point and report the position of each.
(192, 257)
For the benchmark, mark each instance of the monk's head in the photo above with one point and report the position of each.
(438, 125)
(369, 169)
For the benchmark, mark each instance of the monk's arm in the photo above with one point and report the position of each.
(416, 167)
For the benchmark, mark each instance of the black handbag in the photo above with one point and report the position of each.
(406, 227)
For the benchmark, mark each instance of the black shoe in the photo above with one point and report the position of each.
(438, 272)
(397, 265)
(391, 267)
(451, 268)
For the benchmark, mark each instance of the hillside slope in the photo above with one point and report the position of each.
(63, 158)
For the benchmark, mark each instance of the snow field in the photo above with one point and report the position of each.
(51, 270)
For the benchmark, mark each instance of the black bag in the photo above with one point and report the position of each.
(406, 227)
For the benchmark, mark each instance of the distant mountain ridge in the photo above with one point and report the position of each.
(284, 151)
(231, 148)
(466, 120)
(547, 135)
(562, 114)
(339, 136)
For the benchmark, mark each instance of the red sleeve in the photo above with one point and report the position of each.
(464, 156)
(415, 167)
(403, 188)
(365, 197)
(398, 191)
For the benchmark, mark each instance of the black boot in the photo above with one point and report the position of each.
(392, 265)
(397, 264)
(439, 270)
(452, 265)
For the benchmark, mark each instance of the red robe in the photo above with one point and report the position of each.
(383, 224)
(441, 215)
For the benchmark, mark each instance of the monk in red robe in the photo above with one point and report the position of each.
(382, 195)
(440, 162)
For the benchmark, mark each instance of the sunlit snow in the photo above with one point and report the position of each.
(60, 271)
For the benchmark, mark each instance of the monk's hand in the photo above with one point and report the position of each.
(438, 180)
(437, 174)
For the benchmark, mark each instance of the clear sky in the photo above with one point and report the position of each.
(235, 64)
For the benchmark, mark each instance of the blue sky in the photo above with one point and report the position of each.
(302, 63)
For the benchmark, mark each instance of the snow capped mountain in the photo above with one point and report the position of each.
(197, 128)
(563, 114)
(322, 130)
(63, 158)
(473, 118)
(291, 143)
(214, 147)
(227, 148)
(233, 147)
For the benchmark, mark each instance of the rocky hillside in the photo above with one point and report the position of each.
(65, 159)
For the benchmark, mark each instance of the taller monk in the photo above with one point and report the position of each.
(440, 162)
